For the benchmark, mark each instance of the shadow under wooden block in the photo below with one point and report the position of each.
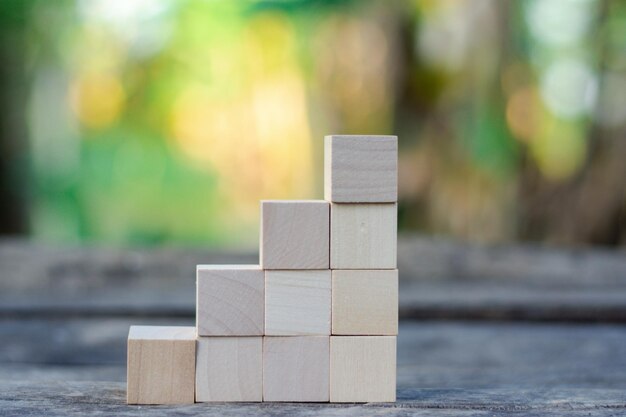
(362, 369)
(161, 365)
(297, 302)
(296, 368)
(229, 369)
(365, 302)
(363, 236)
(294, 234)
(229, 300)
(361, 169)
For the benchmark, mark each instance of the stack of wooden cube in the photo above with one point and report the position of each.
(316, 321)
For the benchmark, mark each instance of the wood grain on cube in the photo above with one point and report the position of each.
(297, 302)
(365, 302)
(362, 369)
(229, 369)
(161, 365)
(363, 236)
(294, 234)
(230, 300)
(296, 368)
(361, 169)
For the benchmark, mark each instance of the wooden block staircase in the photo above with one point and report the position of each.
(315, 321)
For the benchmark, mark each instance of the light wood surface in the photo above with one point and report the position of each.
(362, 369)
(294, 234)
(296, 368)
(298, 302)
(161, 365)
(229, 369)
(230, 300)
(365, 302)
(361, 169)
(363, 236)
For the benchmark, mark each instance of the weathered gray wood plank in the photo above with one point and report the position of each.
(108, 398)
(438, 279)
(65, 313)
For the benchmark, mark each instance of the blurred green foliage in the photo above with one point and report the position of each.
(156, 121)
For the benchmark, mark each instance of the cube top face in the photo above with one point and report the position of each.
(162, 333)
(363, 236)
(296, 369)
(297, 302)
(362, 368)
(161, 365)
(295, 234)
(229, 369)
(228, 267)
(230, 301)
(361, 169)
(365, 302)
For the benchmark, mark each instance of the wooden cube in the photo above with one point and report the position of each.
(362, 369)
(363, 236)
(296, 368)
(365, 302)
(161, 365)
(361, 169)
(297, 302)
(229, 369)
(294, 234)
(230, 300)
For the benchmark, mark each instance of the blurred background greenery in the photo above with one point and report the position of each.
(164, 122)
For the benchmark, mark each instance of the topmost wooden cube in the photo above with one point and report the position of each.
(361, 169)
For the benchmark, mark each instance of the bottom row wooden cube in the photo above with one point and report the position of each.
(296, 368)
(229, 369)
(362, 369)
(164, 365)
(161, 365)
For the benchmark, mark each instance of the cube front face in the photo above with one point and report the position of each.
(296, 369)
(362, 369)
(229, 369)
(294, 234)
(230, 300)
(365, 302)
(361, 169)
(161, 365)
(298, 302)
(363, 236)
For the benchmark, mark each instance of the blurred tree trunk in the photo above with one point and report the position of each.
(13, 133)
(589, 208)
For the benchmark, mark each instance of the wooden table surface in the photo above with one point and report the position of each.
(505, 330)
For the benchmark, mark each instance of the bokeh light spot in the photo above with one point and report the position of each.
(97, 99)
(568, 87)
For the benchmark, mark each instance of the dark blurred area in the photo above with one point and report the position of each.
(151, 122)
